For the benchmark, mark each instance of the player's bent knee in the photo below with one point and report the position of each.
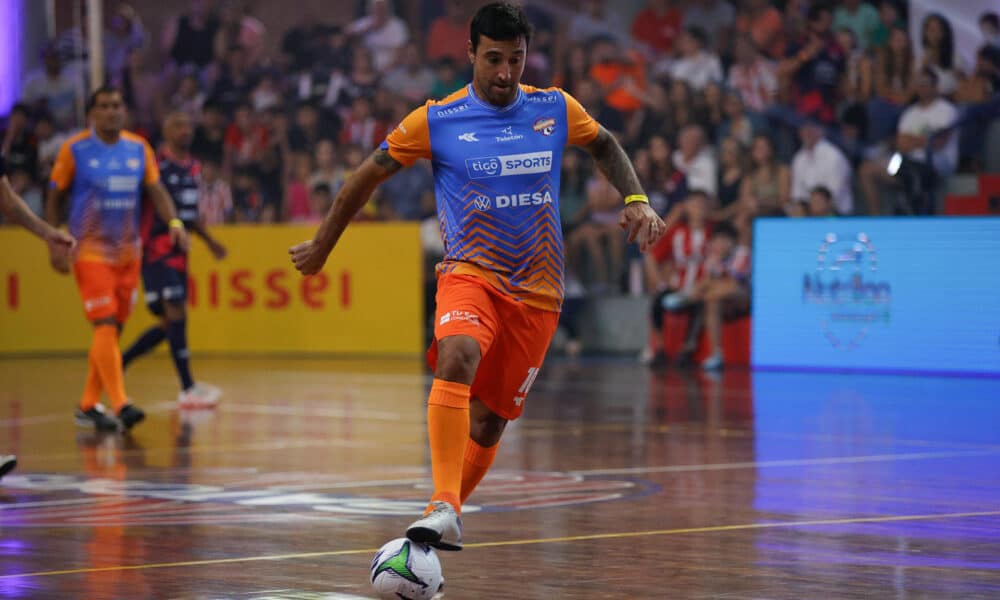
(458, 359)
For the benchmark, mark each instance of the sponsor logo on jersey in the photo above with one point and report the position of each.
(526, 199)
(123, 183)
(132, 163)
(509, 164)
(543, 99)
(545, 125)
(454, 110)
(483, 203)
(469, 136)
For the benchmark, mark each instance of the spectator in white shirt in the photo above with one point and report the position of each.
(820, 163)
(382, 33)
(697, 66)
(695, 159)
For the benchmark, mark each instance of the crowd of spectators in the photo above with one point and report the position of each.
(754, 107)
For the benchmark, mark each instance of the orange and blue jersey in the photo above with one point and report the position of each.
(496, 175)
(105, 183)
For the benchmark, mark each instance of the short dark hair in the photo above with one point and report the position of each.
(990, 18)
(725, 229)
(104, 90)
(500, 21)
(698, 34)
(322, 188)
(822, 190)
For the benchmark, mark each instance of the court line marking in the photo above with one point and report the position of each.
(794, 462)
(530, 541)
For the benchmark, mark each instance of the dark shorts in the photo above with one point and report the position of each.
(163, 283)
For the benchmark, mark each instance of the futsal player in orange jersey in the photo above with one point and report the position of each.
(104, 171)
(496, 149)
(15, 210)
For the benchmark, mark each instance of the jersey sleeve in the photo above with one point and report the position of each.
(63, 169)
(411, 139)
(152, 173)
(582, 127)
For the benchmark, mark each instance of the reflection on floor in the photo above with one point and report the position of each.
(619, 482)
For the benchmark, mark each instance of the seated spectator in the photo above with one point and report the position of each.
(140, 87)
(311, 125)
(861, 18)
(657, 27)
(215, 198)
(237, 27)
(894, 68)
(732, 172)
(937, 51)
(979, 87)
(989, 25)
(210, 135)
(715, 18)
(245, 139)
(858, 71)
(815, 65)
(328, 170)
(188, 98)
(597, 18)
(298, 201)
(248, 207)
(49, 141)
(301, 44)
(403, 194)
(752, 76)
(412, 79)
(589, 95)
(53, 91)
(381, 33)
(575, 68)
(19, 145)
(668, 186)
(695, 159)
(818, 162)
(820, 204)
(888, 18)
(235, 81)
(723, 292)
(447, 78)
(321, 198)
(267, 93)
(573, 190)
(697, 64)
(712, 101)
(599, 236)
(674, 265)
(361, 126)
(620, 74)
(448, 34)
(765, 190)
(928, 153)
(23, 184)
(737, 123)
(189, 39)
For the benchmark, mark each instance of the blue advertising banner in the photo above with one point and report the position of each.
(881, 294)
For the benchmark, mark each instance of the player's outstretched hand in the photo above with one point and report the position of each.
(218, 250)
(57, 238)
(642, 223)
(308, 258)
(59, 255)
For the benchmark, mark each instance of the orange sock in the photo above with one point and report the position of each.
(107, 357)
(92, 390)
(477, 462)
(448, 430)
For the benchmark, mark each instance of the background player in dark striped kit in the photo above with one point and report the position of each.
(164, 265)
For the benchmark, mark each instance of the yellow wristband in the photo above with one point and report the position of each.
(636, 198)
(175, 222)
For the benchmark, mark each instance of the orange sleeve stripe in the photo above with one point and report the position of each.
(65, 165)
(583, 129)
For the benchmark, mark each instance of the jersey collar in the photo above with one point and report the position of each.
(518, 100)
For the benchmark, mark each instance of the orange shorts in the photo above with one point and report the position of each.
(513, 339)
(108, 290)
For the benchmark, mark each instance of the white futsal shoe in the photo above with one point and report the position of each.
(200, 395)
(441, 528)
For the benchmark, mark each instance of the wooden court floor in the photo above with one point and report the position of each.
(618, 483)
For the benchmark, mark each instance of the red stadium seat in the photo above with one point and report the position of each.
(735, 339)
(966, 205)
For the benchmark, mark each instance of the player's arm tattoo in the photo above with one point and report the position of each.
(383, 159)
(614, 163)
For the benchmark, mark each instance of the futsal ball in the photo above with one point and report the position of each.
(405, 569)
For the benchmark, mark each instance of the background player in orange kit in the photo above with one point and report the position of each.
(104, 171)
(496, 149)
(15, 210)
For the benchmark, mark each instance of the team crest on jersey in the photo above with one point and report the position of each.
(545, 125)
(132, 163)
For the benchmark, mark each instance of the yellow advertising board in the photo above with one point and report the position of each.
(367, 301)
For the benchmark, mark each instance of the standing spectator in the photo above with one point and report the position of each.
(937, 45)
(715, 18)
(818, 162)
(657, 26)
(695, 159)
(382, 33)
(449, 33)
(412, 79)
(861, 18)
(815, 65)
(210, 135)
(123, 36)
(53, 91)
(820, 204)
(189, 39)
(215, 199)
(753, 76)
(697, 65)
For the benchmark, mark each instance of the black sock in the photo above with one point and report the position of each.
(146, 342)
(177, 336)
